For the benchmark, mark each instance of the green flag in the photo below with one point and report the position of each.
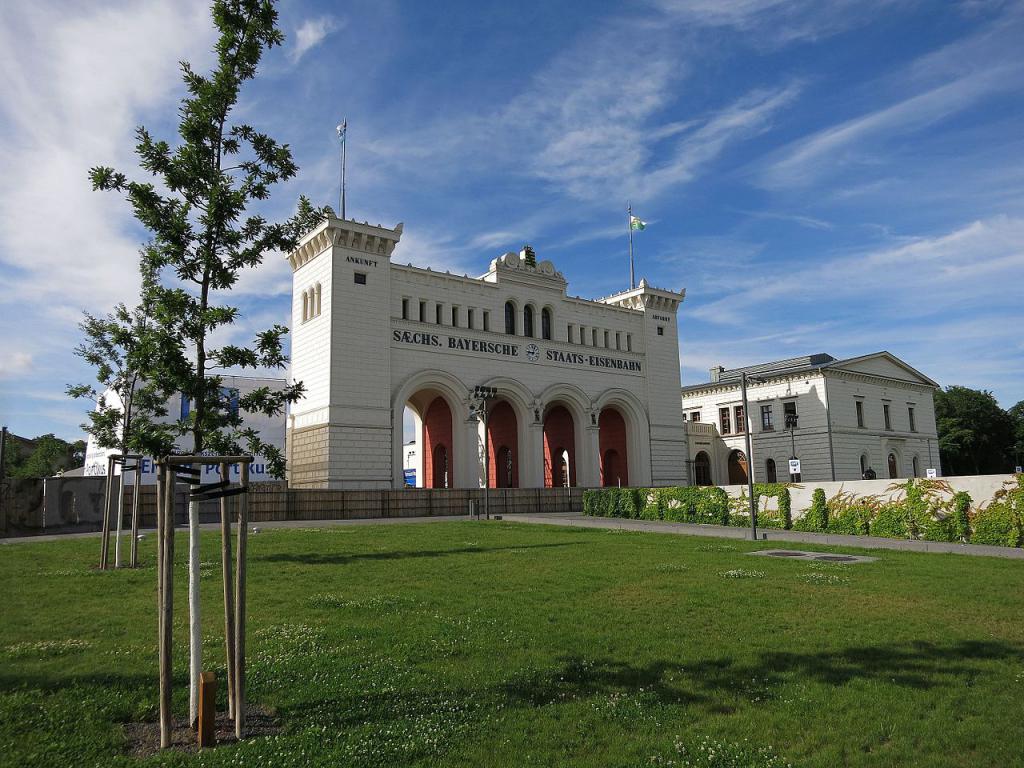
(635, 223)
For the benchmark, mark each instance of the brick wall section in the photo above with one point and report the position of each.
(437, 433)
(502, 432)
(559, 435)
(612, 441)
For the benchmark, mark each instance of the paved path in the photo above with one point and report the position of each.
(582, 521)
(725, 532)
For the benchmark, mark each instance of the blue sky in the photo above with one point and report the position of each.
(837, 177)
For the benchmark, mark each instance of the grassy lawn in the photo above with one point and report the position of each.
(468, 644)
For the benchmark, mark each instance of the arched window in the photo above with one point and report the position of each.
(305, 306)
(545, 324)
(863, 464)
(510, 318)
(528, 321)
(770, 473)
(894, 471)
(917, 466)
(317, 312)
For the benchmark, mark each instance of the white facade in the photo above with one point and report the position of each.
(270, 428)
(873, 411)
(596, 379)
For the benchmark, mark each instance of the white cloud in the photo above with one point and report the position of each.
(804, 161)
(310, 34)
(16, 363)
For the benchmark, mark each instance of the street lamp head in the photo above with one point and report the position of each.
(791, 420)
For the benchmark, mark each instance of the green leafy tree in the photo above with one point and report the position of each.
(49, 456)
(975, 434)
(203, 236)
(122, 346)
(1016, 413)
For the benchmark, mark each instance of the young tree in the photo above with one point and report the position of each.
(123, 346)
(203, 236)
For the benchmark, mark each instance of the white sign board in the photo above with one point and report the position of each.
(930, 473)
(794, 466)
(1018, 470)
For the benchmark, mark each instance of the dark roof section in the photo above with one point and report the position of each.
(778, 367)
(806, 363)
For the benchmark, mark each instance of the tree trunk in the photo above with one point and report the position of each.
(120, 518)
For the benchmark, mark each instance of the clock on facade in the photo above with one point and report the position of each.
(532, 353)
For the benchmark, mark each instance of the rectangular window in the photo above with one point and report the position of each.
(767, 424)
(186, 406)
(695, 416)
(887, 416)
(455, 317)
(910, 416)
(439, 313)
(860, 414)
(405, 309)
(741, 420)
(360, 278)
(661, 330)
(593, 336)
(606, 339)
(231, 396)
(618, 340)
(487, 320)
(629, 342)
(789, 415)
(470, 319)
(723, 417)
(569, 332)
(423, 311)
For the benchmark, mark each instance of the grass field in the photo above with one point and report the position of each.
(492, 644)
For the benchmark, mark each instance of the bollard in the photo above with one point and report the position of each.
(207, 709)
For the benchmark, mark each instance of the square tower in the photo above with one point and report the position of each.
(339, 433)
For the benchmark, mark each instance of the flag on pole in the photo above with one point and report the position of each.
(635, 223)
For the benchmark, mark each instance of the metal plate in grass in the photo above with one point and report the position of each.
(818, 556)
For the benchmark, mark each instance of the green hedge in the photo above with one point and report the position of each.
(924, 512)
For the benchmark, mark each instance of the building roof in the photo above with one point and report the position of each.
(804, 364)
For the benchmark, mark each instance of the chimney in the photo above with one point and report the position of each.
(716, 373)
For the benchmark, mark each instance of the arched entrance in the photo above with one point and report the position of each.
(559, 440)
(437, 445)
(894, 471)
(737, 468)
(612, 442)
(502, 446)
(771, 474)
(701, 469)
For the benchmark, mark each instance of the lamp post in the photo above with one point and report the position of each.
(750, 452)
(481, 395)
(791, 422)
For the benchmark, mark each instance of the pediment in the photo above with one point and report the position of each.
(883, 364)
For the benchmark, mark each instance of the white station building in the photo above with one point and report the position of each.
(587, 391)
(840, 418)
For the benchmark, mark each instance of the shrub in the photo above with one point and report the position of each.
(997, 525)
(816, 518)
(853, 520)
(631, 502)
(939, 529)
(592, 502)
(892, 522)
(655, 508)
(961, 516)
(783, 516)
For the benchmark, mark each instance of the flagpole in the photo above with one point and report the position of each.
(629, 226)
(343, 135)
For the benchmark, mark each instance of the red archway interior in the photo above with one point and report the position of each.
(612, 441)
(437, 445)
(559, 436)
(502, 447)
